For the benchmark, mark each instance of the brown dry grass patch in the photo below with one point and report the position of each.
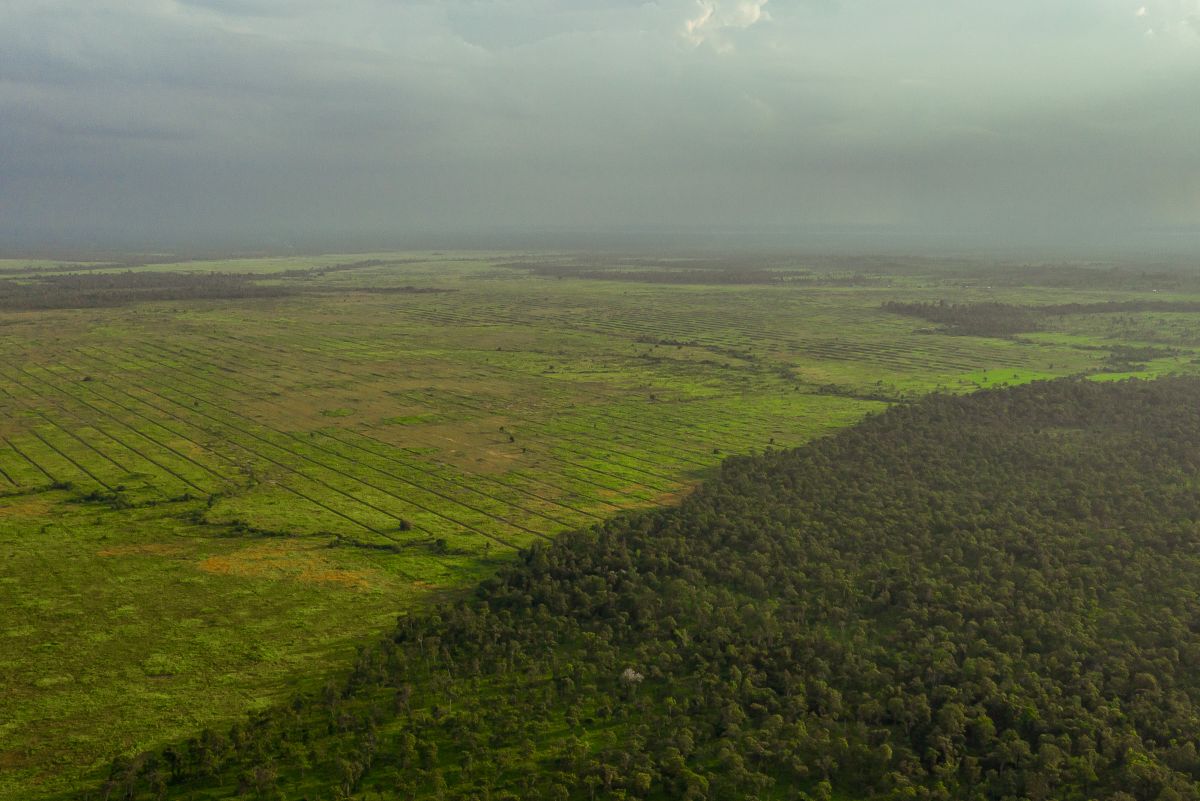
(142, 549)
(27, 507)
(283, 560)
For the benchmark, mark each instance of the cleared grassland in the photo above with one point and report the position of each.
(205, 504)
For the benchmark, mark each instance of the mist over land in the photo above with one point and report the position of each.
(1016, 127)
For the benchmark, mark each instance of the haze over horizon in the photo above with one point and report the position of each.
(832, 123)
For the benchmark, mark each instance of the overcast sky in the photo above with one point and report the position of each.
(275, 122)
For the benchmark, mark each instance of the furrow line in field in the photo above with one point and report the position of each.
(257, 455)
(617, 454)
(318, 463)
(70, 459)
(886, 360)
(252, 453)
(627, 329)
(60, 392)
(167, 473)
(322, 505)
(343, 472)
(135, 431)
(901, 355)
(530, 478)
(125, 470)
(330, 509)
(298, 440)
(669, 444)
(664, 449)
(50, 421)
(85, 443)
(450, 498)
(478, 476)
(426, 488)
(657, 443)
(355, 377)
(35, 465)
(540, 481)
(547, 452)
(7, 477)
(673, 447)
(625, 479)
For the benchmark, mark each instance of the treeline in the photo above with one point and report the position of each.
(1006, 319)
(748, 277)
(317, 272)
(975, 319)
(1160, 278)
(96, 290)
(699, 272)
(56, 268)
(74, 291)
(881, 269)
(1164, 277)
(983, 597)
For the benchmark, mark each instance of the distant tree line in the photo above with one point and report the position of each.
(102, 289)
(1075, 276)
(317, 272)
(1005, 319)
(974, 319)
(717, 273)
(56, 268)
(71, 291)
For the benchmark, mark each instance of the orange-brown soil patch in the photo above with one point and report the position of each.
(285, 560)
(26, 507)
(142, 549)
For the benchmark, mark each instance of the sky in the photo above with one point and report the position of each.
(874, 123)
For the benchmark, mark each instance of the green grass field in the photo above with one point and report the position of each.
(207, 503)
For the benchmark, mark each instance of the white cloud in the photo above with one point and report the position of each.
(715, 18)
(1178, 20)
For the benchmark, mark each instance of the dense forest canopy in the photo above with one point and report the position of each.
(985, 597)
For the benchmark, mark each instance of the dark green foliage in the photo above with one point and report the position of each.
(90, 290)
(30, 269)
(1006, 319)
(362, 264)
(83, 290)
(989, 597)
(975, 319)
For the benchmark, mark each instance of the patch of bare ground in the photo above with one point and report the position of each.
(285, 560)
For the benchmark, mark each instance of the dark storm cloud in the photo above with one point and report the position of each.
(265, 122)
